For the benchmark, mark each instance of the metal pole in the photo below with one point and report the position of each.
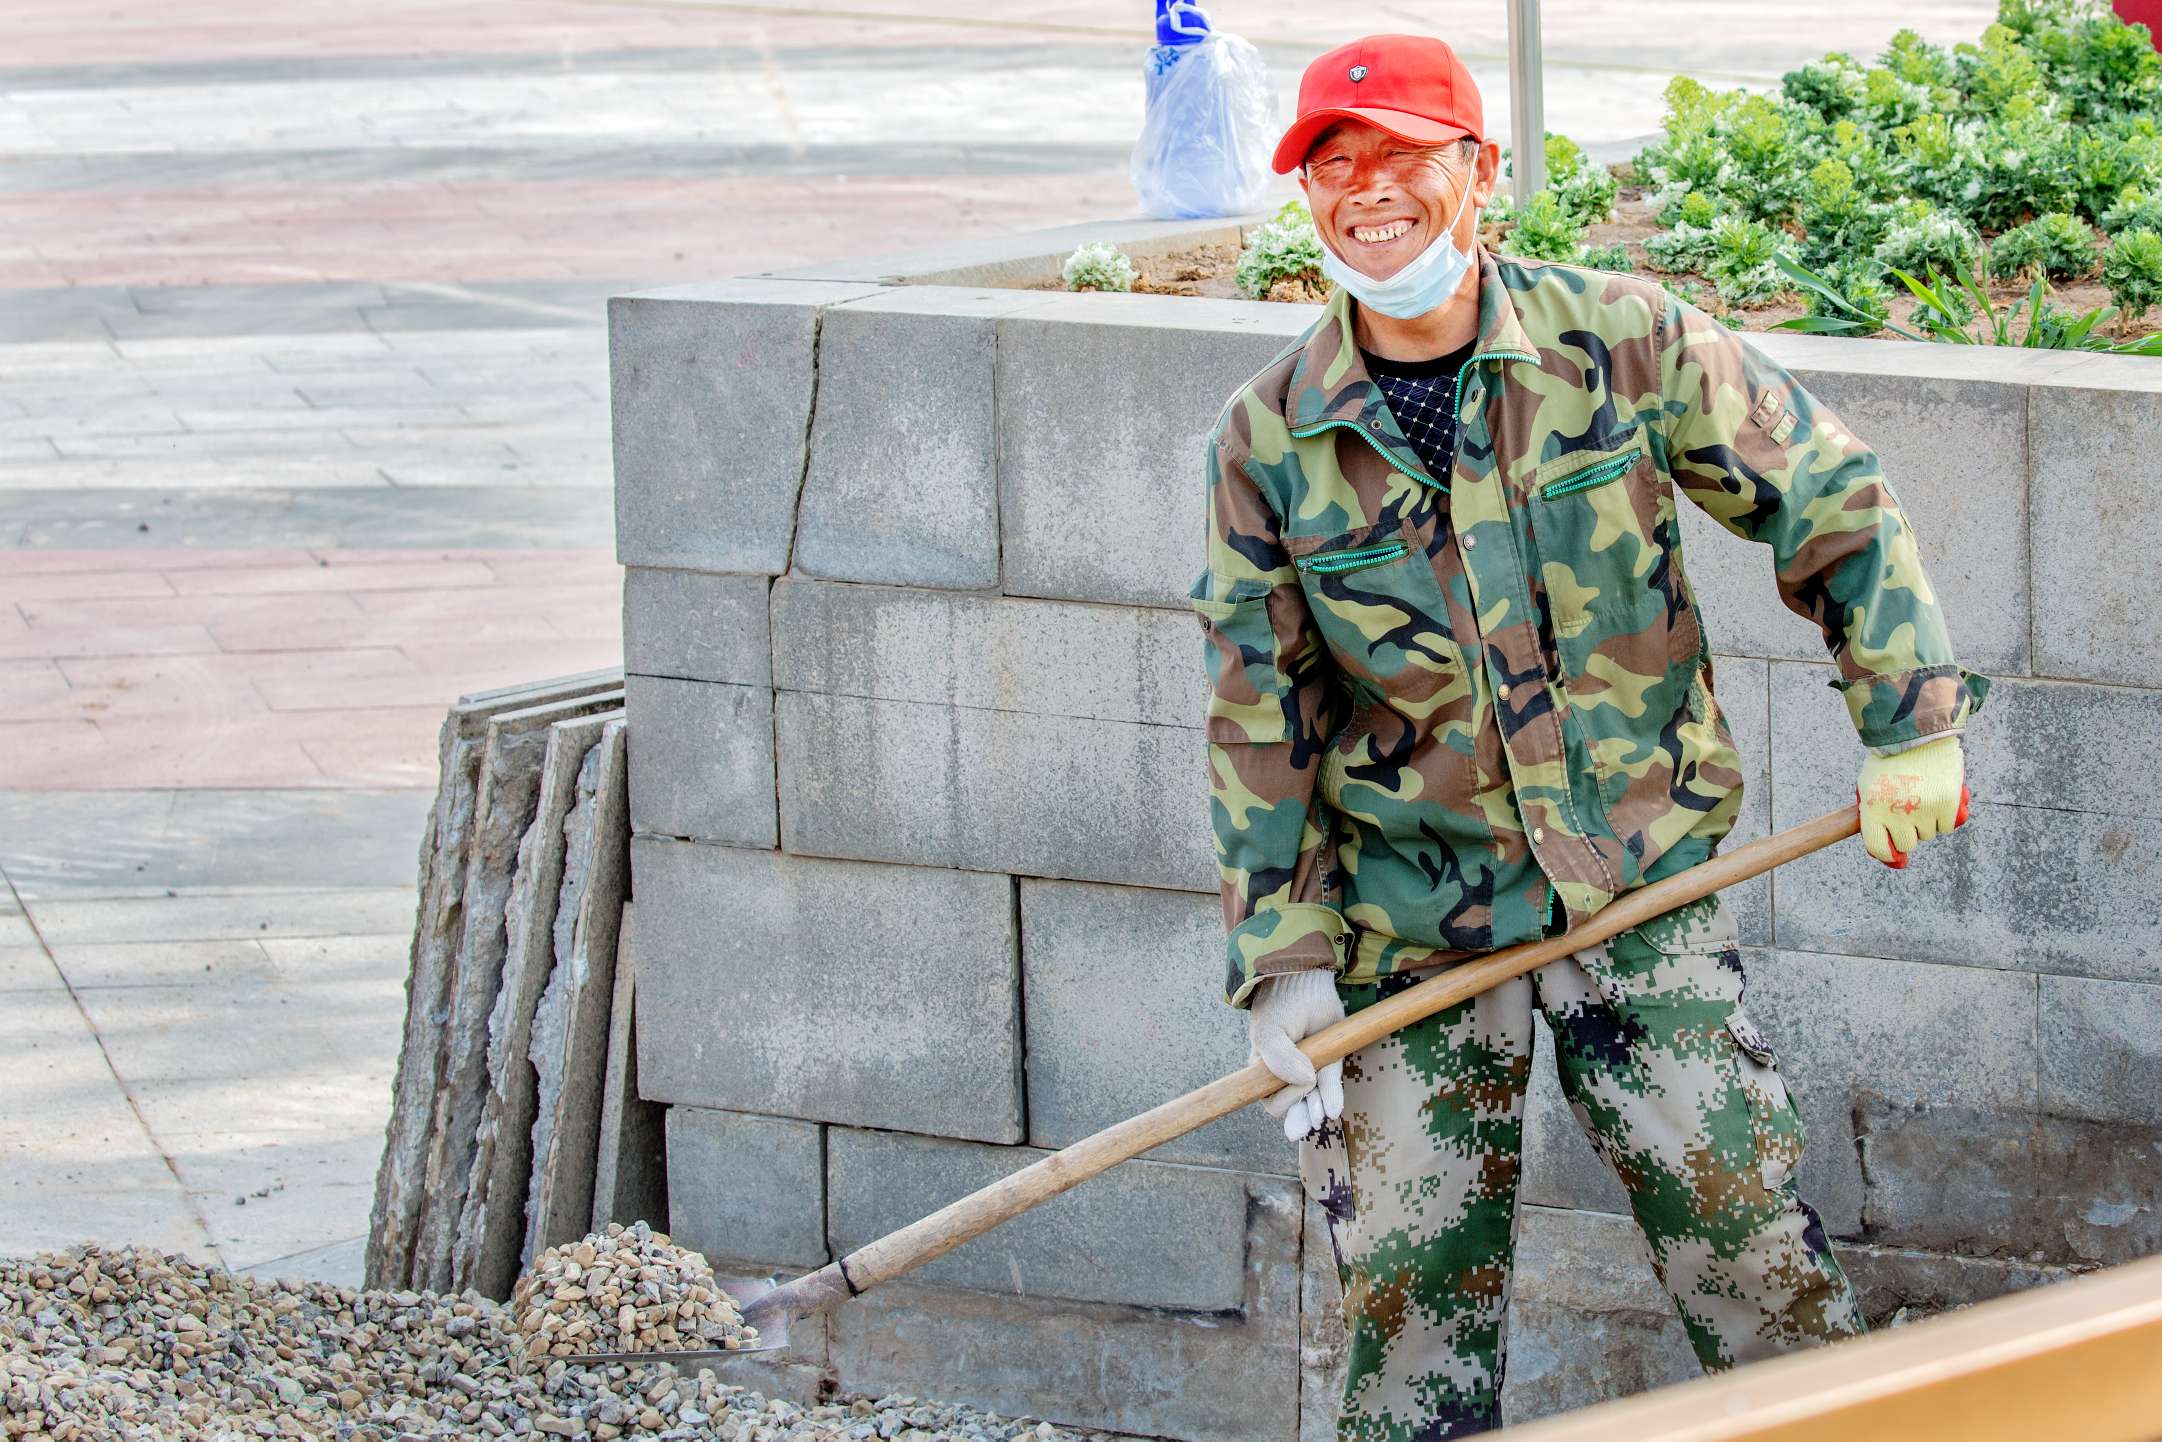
(1527, 103)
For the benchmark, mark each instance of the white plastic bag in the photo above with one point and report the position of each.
(1209, 131)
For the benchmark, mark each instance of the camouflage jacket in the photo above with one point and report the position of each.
(1447, 711)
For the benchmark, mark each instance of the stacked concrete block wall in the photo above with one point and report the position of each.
(926, 885)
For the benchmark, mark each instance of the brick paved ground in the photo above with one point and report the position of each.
(303, 432)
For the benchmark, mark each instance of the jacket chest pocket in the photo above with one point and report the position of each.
(1604, 531)
(1379, 606)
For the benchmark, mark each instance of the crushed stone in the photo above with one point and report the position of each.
(139, 1345)
(628, 1289)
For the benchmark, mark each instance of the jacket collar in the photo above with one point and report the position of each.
(1330, 383)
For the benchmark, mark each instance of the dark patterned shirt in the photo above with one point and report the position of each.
(1421, 395)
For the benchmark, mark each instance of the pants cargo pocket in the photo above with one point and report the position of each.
(1775, 1122)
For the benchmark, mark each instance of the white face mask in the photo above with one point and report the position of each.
(1424, 281)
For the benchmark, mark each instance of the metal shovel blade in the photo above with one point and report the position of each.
(745, 1293)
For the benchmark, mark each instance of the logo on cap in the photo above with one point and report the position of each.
(1358, 73)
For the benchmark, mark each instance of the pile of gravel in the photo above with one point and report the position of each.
(628, 1289)
(137, 1345)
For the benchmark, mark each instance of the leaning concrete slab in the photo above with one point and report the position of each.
(502, 1161)
(630, 1170)
(570, 1032)
(517, 742)
(438, 929)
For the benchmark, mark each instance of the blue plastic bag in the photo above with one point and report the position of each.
(1210, 123)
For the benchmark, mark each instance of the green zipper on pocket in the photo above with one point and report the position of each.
(1590, 476)
(1353, 560)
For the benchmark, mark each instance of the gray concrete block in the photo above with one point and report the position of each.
(1144, 1234)
(750, 1190)
(994, 791)
(1954, 453)
(630, 1169)
(493, 1215)
(2055, 871)
(1855, 1033)
(2097, 588)
(693, 626)
(711, 391)
(1105, 405)
(438, 928)
(827, 990)
(1120, 988)
(701, 760)
(569, 1047)
(510, 776)
(1890, 1279)
(2102, 1050)
(1204, 1377)
(1324, 1340)
(903, 483)
(1046, 658)
(1588, 1318)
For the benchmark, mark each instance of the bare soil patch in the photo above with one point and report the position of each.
(1206, 270)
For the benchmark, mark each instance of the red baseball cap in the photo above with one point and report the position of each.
(1412, 86)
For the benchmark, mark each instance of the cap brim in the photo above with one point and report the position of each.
(1291, 150)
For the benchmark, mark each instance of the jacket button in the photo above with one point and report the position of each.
(1504, 692)
(1538, 833)
(1470, 541)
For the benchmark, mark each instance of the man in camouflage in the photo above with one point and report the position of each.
(1461, 697)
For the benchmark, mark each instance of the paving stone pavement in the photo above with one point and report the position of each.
(303, 431)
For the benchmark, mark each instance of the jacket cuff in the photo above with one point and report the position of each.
(1889, 710)
(1299, 936)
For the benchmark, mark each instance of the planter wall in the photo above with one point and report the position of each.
(925, 881)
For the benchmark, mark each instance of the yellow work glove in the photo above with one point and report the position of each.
(1910, 797)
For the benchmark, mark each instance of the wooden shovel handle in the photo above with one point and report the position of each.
(973, 1215)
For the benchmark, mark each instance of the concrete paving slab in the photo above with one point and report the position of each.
(81, 844)
(337, 1264)
(27, 968)
(199, 916)
(76, 1164)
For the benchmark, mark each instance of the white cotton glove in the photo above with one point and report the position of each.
(1285, 1010)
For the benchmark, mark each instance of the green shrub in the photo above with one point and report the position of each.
(1838, 217)
(2134, 209)
(2109, 158)
(1688, 245)
(2057, 245)
(1098, 265)
(1917, 62)
(1544, 230)
(1283, 247)
(1832, 87)
(1741, 268)
(1613, 257)
(1763, 138)
(1861, 284)
(2096, 65)
(1585, 188)
(1889, 100)
(1923, 238)
(2132, 269)
(2022, 166)
(1993, 73)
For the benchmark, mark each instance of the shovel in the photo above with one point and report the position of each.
(771, 1308)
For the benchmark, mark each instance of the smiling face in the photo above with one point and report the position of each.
(1378, 201)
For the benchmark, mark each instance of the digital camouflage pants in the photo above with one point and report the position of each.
(1680, 1094)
